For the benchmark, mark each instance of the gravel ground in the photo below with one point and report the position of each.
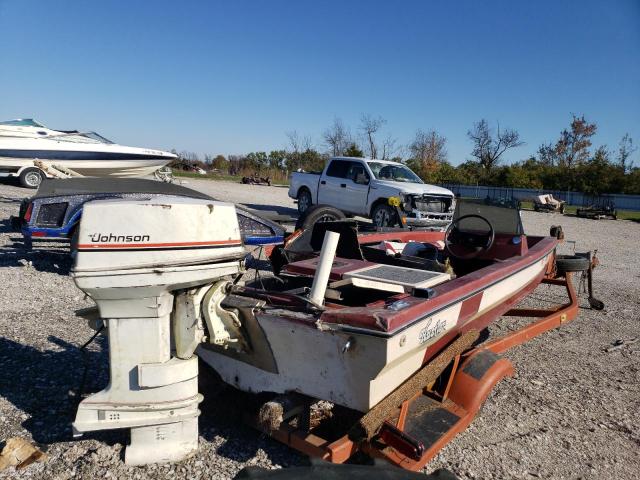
(571, 410)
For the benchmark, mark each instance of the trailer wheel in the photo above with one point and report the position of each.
(31, 177)
(571, 263)
(318, 213)
(304, 200)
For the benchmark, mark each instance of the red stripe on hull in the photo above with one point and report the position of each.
(470, 307)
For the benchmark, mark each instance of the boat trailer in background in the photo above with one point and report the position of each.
(598, 207)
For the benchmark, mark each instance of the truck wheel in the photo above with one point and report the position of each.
(318, 213)
(384, 216)
(30, 177)
(304, 200)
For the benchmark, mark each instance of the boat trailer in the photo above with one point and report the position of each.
(420, 417)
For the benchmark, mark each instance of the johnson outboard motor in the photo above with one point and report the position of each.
(134, 257)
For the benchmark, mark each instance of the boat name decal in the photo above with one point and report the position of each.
(430, 331)
(111, 238)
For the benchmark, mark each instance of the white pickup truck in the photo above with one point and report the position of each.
(363, 187)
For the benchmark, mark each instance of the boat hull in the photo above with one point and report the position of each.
(87, 159)
(127, 167)
(357, 368)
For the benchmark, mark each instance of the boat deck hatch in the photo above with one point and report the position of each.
(395, 279)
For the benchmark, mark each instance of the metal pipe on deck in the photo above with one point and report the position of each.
(325, 262)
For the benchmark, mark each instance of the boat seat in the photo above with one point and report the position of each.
(376, 276)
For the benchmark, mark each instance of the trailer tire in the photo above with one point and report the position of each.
(571, 263)
(305, 201)
(318, 213)
(31, 177)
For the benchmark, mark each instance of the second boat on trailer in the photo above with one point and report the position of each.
(392, 316)
(25, 141)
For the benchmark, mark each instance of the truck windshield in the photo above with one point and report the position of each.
(394, 172)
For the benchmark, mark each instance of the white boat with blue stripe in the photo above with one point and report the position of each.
(23, 141)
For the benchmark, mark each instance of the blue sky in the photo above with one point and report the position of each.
(233, 77)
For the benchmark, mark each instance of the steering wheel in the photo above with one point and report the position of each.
(475, 243)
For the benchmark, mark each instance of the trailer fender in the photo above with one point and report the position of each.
(476, 377)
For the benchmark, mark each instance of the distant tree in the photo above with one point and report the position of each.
(488, 149)
(277, 159)
(547, 154)
(524, 174)
(471, 171)
(370, 126)
(625, 150)
(237, 163)
(220, 162)
(257, 160)
(427, 152)
(632, 182)
(353, 151)
(313, 160)
(189, 156)
(337, 137)
(598, 175)
(297, 145)
(572, 148)
(388, 147)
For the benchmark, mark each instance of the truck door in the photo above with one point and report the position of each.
(357, 189)
(333, 183)
(340, 188)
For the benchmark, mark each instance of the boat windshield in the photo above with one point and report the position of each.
(394, 172)
(76, 137)
(23, 122)
(504, 215)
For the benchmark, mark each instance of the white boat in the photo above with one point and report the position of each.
(23, 141)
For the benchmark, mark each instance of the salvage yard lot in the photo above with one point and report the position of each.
(571, 411)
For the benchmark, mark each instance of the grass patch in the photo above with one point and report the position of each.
(629, 215)
(208, 176)
(219, 177)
